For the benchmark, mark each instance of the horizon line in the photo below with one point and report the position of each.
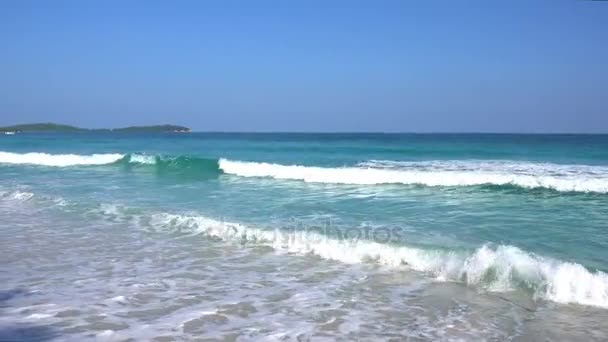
(106, 130)
(400, 132)
(298, 132)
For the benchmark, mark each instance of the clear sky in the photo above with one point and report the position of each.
(409, 66)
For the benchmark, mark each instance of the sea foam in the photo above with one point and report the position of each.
(20, 196)
(564, 178)
(142, 159)
(58, 160)
(576, 178)
(494, 268)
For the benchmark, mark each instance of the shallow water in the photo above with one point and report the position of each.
(163, 241)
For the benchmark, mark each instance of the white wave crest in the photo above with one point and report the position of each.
(58, 160)
(142, 159)
(578, 178)
(500, 268)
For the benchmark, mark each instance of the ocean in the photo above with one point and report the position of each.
(268, 236)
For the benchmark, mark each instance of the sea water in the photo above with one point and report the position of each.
(161, 237)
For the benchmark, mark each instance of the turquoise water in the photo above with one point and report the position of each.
(471, 226)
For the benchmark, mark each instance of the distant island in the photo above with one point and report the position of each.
(51, 127)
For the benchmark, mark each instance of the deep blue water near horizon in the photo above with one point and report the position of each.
(469, 236)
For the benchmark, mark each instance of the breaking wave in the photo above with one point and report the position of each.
(184, 166)
(58, 160)
(490, 267)
(448, 173)
(566, 178)
(494, 268)
(162, 164)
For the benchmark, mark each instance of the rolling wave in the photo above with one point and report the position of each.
(490, 267)
(162, 164)
(187, 166)
(566, 178)
(494, 268)
(448, 173)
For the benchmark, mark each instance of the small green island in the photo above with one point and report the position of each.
(52, 127)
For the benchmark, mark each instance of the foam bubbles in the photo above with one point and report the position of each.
(578, 178)
(58, 160)
(500, 268)
(19, 196)
(142, 159)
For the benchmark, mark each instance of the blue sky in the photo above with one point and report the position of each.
(408, 66)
